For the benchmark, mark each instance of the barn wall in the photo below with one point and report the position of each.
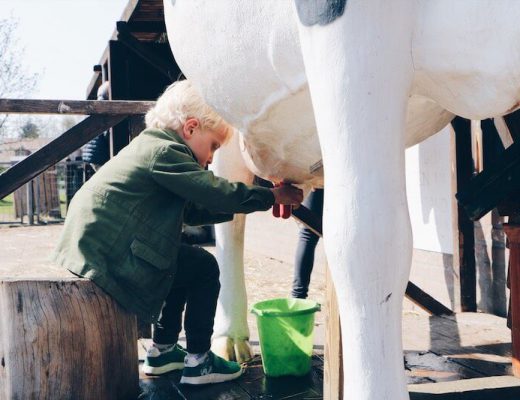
(430, 192)
(428, 178)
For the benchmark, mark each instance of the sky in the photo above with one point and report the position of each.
(63, 40)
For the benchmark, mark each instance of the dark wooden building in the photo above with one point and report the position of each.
(137, 62)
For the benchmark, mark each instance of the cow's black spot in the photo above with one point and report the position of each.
(322, 12)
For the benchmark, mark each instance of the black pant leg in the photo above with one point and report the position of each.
(166, 330)
(304, 258)
(197, 285)
(202, 298)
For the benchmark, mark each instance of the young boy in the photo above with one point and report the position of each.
(123, 230)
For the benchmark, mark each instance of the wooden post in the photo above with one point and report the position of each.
(513, 235)
(65, 339)
(30, 206)
(119, 84)
(466, 262)
(333, 364)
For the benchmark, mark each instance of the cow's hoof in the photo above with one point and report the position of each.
(238, 350)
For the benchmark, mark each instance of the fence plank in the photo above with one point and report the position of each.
(82, 107)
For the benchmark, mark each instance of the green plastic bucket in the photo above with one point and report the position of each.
(285, 328)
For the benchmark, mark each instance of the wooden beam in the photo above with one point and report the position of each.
(485, 191)
(82, 107)
(147, 26)
(333, 360)
(95, 82)
(118, 77)
(453, 269)
(129, 10)
(102, 61)
(513, 123)
(125, 16)
(126, 37)
(513, 235)
(55, 151)
(309, 219)
(466, 262)
(422, 299)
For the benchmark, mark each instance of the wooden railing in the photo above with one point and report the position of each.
(104, 114)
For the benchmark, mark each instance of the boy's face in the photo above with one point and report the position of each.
(203, 141)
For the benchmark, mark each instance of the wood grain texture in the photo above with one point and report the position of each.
(65, 339)
(513, 235)
(333, 364)
(155, 60)
(466, 269)
(80, 107)
(425, 301)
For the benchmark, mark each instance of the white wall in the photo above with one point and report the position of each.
(428, 179)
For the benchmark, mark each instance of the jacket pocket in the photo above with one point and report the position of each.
(152, 256)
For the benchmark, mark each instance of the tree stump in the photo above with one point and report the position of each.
(65, 338)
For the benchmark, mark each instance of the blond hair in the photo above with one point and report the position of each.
(179, 102)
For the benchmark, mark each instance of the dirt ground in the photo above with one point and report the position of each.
(270, 244)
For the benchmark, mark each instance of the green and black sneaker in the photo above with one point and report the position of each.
(159, 362)
(212, 370)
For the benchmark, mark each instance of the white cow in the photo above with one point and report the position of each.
(373, 76)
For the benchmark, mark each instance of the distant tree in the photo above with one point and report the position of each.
(55, 125)
(29, 131)
(15, 79)
(68, 121)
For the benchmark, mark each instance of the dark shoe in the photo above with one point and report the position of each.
(160, 362)
(212, 370)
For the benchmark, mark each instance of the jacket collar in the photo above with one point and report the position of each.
(180, 140)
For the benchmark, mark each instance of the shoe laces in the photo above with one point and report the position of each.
(193, 360)
(156, 352)
(153, 352)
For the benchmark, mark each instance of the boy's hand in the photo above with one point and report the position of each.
(287, 194)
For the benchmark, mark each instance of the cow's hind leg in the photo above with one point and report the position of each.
(231, 332)
(360, 71)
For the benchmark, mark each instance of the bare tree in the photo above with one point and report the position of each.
(15, 79)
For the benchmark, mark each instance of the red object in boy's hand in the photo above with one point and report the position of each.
(286, 210)
(276, 206)
(281, 210)
(276, 210)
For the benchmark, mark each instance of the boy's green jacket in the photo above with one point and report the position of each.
(123, 227)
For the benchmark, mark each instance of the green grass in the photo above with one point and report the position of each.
(7, 201)
(7, 206)
(7, 212)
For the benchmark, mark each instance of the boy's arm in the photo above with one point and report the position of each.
(197, 215)
(178, 172)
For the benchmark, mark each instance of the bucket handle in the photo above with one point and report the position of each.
(266, 313)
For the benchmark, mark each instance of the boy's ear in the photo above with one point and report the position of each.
(189, 126)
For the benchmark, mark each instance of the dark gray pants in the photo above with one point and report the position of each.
(304, 259)
(196, 285)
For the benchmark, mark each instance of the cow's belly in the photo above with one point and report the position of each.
(467, 55)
